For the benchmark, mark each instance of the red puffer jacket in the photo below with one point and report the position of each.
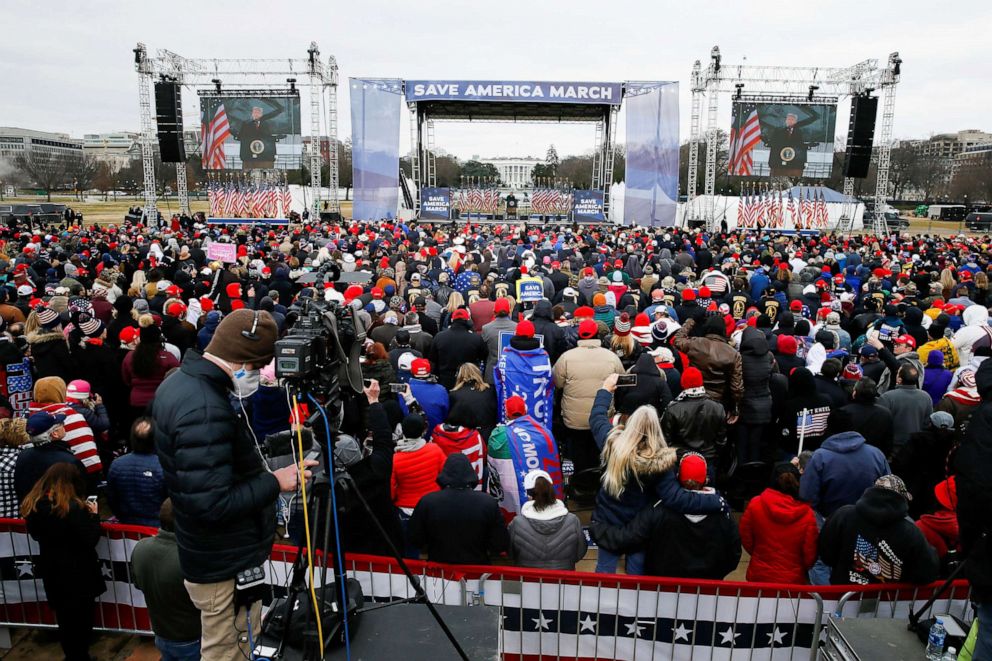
(780, 533)
(415, 474)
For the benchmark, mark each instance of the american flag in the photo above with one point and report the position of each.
(287, 201)
(813, 421)
(214, 136)
(822, 215)
(792, 210)
(271, 202)
(744, 137)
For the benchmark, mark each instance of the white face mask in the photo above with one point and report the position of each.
(246, 382)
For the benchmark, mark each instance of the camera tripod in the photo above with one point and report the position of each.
(340, 611)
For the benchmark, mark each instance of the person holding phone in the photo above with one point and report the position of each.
(66, 526)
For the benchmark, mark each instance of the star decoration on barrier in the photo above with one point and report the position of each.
(587, 624)
(634, 628)
(542, 623)
(776, 637)
(106, 570)
(728, 637)
(681, 633)
(25, 568)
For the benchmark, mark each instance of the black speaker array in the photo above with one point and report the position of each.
(860, 136)
(169, 118)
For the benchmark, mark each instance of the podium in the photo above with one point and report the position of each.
(511, 208)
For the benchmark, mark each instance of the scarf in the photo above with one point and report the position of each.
(410, 444)
(692, 393)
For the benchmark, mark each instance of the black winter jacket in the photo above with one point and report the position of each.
(223, 497)
(456, 524)
(757, 365)
(873, 541)
(371, 476)
(473, 408)
(874, 422)
(651, 388)
(51, 357)
(696, 423)
(454, 347)
(678, 545)
(67, 560)
(33, 461)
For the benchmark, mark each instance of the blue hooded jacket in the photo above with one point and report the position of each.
(206, 333)
(840, 471)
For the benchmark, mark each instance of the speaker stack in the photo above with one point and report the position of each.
(860, 136)
(169, 119)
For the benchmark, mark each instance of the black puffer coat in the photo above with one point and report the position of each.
(651, 388)
(224, 499)
(757, 365)
(454, 347)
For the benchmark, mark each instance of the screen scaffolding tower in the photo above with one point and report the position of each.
(719, 78)
(320, 77)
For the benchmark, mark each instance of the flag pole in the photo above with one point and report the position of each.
(802, 431)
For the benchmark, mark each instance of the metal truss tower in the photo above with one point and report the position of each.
(719, 78)
(259, 74)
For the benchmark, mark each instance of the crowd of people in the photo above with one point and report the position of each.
(834, 389)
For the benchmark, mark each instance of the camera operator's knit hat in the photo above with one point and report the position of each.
(245, 336)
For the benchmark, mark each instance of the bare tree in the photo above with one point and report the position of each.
(902, 162)
(42, 169)
(81, 170)
(929, 175)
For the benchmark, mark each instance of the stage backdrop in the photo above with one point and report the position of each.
(259, 132)
(514, 91)
(375, 138)
(587, 205)
(782, 139)
(652, 177)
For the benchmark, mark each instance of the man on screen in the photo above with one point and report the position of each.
(258, 141)
(786, 147)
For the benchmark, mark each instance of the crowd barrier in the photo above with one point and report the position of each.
(543, 614)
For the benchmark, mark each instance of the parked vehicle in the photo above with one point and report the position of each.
(951, 212)
(979, 221)
(921, 211)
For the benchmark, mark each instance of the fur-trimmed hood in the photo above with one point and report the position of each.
(657, 463)
(42, 336)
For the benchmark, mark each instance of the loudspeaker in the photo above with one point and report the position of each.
(860, 136)
(169, 119)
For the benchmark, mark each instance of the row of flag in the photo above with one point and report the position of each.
(235, 199)
(551, 201)
(477, 200)
(773, 210)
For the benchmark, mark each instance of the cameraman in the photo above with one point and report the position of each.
(223, 496)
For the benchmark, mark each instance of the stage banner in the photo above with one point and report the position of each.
(782, 139)
(435, 203)
(517, 91)
(652, 174)
(375, 138)
(258, 132)
(587, 205)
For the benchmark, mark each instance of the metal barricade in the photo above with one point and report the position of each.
(544, 614)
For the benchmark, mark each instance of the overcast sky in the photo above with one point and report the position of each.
(67, 66)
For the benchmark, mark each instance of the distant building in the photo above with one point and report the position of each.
(949, 145)
(116, 149)
(17, 141)
(515, 172)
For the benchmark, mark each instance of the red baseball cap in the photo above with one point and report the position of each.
(502, 305)
(905, 339)
(460, 313)
(420, 367)
(516, 406)
(128, 334)
(525, 329)
(692, 467)
(584, 312)
(588, 329)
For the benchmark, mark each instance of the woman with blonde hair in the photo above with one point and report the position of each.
(637, 470)
(67, 529)
(947, 283)
(472, 401)
(455, 301)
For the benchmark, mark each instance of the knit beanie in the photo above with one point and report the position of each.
(692, 378)
(787, 345)
(642, 329)
(50, 390)
(598, 300)
(245, 336)
(935, 358)
(621, 326)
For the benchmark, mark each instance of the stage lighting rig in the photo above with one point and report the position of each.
(292, 84)
(715, 56)
(812, 90)
(216, 82)
(740, 88)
